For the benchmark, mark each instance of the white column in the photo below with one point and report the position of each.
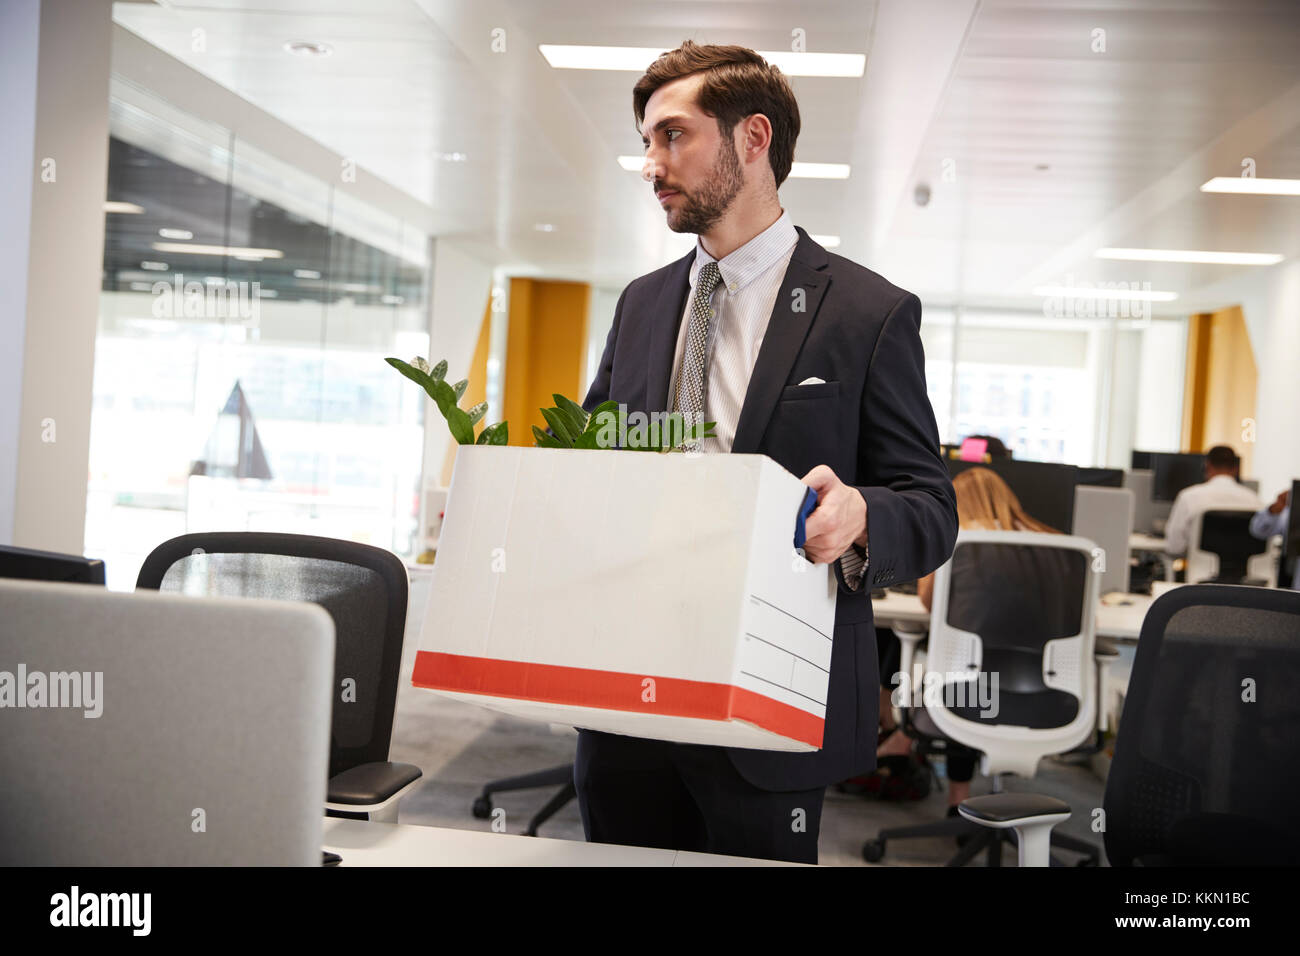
(54, 70)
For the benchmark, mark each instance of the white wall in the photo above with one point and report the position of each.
(1270, 301)
(52, 304)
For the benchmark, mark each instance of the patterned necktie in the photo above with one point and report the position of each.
(692, 379)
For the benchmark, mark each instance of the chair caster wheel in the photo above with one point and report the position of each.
(873, 851)
(482, 808)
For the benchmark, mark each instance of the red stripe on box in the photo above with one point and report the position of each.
(612, 690)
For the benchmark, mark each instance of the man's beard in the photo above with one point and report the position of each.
(701, 211)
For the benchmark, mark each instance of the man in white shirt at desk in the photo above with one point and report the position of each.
(1219, 490)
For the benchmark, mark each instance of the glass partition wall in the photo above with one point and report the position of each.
(239, 376)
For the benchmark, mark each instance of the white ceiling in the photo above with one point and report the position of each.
(988, 89)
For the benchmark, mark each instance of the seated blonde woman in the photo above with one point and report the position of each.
(984, 502)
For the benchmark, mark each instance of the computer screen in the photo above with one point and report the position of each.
(1290, 541)
(1174, 472)
(32, 565)
(1105, 477)
(1045, 489)
(1141, 460)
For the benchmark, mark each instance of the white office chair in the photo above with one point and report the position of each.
(1032, 598)
(1227, 550)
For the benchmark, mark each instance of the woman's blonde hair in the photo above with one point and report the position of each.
(985, 501)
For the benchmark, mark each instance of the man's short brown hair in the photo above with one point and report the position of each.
(737, 83)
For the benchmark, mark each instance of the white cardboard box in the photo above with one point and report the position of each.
(657, 595)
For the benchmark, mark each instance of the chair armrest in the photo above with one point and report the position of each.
(371, 784)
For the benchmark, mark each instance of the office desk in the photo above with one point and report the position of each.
(362, 843)
(1138, 541)
(1118, 621)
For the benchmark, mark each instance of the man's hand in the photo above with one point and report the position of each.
(839, 519)
(1274, 509)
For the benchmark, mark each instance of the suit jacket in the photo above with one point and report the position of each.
(871, 422)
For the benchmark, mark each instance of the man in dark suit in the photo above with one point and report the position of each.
(802, 356)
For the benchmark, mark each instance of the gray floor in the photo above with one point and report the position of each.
(460, 747)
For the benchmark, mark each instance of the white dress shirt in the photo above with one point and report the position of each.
(1221, 491)
(742, 302)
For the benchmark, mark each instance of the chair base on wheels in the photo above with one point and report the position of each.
(561, 776)
(980, 840)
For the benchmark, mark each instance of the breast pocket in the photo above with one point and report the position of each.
(805, 428)
(803, 393)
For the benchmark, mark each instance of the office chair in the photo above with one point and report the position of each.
(1207, 760)
(1018, 605)
(1221, 548)
(364, 590)
(561, 776)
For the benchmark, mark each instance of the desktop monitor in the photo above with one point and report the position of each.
(1174, 472)
(1141, 460)
(31, 565)
(1286, 562)
(202, 710)
(1045, 489)
(1102, 477)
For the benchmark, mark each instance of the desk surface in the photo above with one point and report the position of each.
(361, 843)
(1138, 541)
(1123, 621)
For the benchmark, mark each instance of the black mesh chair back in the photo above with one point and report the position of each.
(1207, 756)
(1227, 535)
(363, 588)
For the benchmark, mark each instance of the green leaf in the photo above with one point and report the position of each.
(459, 423)
(439, 371)
(574, 414)
(445, 398)
(561, 429)
(500, 433)
(411, 372)
(544, 440)
(483, 436)
(477, 412)
(459, 389)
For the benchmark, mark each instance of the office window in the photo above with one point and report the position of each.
(239, 374)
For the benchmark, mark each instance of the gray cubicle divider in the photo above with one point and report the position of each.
(1106, 516)
(1139, 482)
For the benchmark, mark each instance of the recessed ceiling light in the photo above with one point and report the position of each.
(829, 242)
(1192, 255)
(126, 207)
(634, 164)
(1083, 292)
(307, 48)
(154, 266)
(1249, 184)
(199, 249)
(637, 58)
(306, 274)
(453, 157)
(250, 258)
(391, 299)
(175, 233)
(544, 227)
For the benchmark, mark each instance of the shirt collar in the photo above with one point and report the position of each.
(742, 266)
